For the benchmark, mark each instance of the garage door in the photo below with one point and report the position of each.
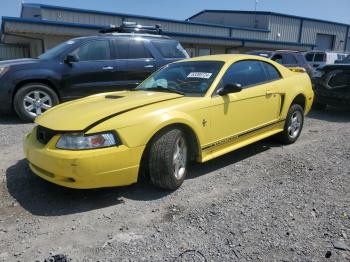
(13, 52)
(325, 42)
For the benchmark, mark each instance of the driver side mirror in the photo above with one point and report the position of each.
(71, 58)
(230, 88)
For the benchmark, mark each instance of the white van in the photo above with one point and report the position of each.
(317, 58)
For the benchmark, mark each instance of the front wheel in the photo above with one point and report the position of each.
(33, 99)
(293, 126)
(168, 157)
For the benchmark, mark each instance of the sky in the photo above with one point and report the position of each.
(337, 11)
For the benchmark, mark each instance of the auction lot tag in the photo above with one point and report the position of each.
(199, 75)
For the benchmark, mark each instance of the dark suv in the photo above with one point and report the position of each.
(84, 66)
(288, 58)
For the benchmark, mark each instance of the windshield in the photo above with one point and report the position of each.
(188, 78)
(57, 50)
(266, 54)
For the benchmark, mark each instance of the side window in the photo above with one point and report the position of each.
(277, 58)
(309, 57)
(245, 73)
(121, 48)
(288, 59)
(319, 57)
(170, 49)
(271, 71)
(92, 51)
(137, 49)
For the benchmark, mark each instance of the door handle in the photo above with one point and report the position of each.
(269, 92)
(149, 66)
(107, 68)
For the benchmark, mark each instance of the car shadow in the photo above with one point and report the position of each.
(42, 198)
(10, 119)
(197, 169)
(331, 114)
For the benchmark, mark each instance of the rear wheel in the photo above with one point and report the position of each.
(168, 157)
(293, 126)
(33, 99)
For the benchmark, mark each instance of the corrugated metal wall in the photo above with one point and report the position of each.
(193, 40)
(250, 34)
(312, 28)
(284, 28)
(42, 29)
(234, 19)
(82, 18)
(52, 41)
(13, 52)
(100, 19)
(183, 28)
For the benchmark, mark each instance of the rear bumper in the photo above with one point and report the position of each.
(108, 167)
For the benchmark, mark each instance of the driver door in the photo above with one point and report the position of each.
(256, 106)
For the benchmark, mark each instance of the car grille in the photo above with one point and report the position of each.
(44, 135)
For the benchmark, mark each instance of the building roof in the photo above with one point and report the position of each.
(265, 13)
(71, 9)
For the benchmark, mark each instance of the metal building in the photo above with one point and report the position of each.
(41, 27)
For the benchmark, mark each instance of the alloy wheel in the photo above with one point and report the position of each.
(37, 102)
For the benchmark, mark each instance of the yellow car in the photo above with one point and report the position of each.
(194, 109)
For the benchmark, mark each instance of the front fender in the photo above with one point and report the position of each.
(27, 75)
(141, 133)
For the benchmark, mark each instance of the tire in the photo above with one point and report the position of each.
(57, 258)
(34, 99)
(168, 159)
(318, 106)
(293, 126)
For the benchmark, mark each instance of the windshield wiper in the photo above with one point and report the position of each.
(162, 88)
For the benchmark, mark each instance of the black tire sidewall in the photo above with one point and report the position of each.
(287, 139)
(161, 167)
(23, 91)
(177, 182)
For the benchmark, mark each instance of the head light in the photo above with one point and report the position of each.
(79, 141)
(3, 70)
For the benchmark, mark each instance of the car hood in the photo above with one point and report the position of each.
(18, 62)
(85, 113)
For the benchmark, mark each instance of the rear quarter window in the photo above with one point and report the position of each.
(170, 49)
(271, 72)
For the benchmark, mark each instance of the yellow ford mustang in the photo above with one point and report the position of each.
(195, 109)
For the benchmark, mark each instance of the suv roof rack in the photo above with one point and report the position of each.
(288, 50)
(132, 27)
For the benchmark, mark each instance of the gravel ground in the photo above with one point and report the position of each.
(265, 202)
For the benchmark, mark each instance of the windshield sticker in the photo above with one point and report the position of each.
(199, 75)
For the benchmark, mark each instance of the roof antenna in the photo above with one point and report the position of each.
(256, 16)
